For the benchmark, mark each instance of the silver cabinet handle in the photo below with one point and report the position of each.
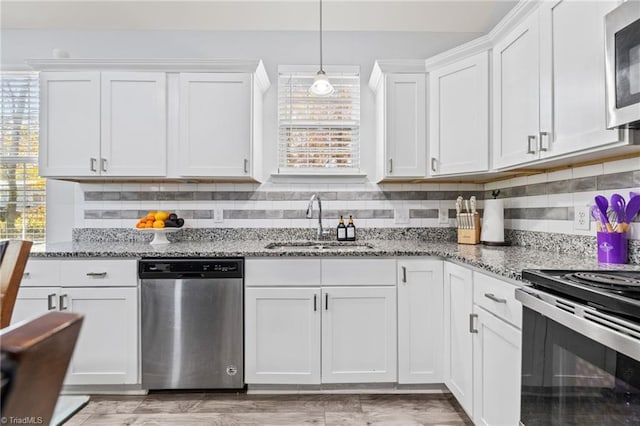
(471, 318)
(543, 136)
(433, 164)
(404, 274)
(493, 297)
(63, 298)
(246, 165)
(315, 302)
(103, 161)
(531, 139)
(26, 275)
(51, 301)
(326, 301)
(93, 162)
(390, 165)
(97, 274)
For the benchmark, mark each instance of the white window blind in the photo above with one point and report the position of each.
(22, 190)
(318, 134)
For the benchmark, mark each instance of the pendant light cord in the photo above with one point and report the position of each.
(321, 70)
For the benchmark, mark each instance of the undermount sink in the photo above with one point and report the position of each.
(318, 245)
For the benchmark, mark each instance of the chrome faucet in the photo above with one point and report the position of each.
(316, 196)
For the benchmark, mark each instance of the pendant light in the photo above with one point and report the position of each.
(321, 85)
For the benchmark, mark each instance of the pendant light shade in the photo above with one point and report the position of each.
(321, 85)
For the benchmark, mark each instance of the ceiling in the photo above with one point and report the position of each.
(475, 16)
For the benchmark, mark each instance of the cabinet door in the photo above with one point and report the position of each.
(69, 124)
(134, 141)
(459, 117)
(516, 95)
(405, 125)
(107, 349)
(34, 301)
(496, 369)
(572, 112)
(282, 335)
(420, 321)
(215, 124)
(458, 341)
(358, 334)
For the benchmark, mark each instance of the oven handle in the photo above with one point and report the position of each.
(626, 344)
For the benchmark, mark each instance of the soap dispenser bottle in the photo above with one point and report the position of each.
(342, 230)
(351, 230)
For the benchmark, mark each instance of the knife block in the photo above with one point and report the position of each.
(469, 234)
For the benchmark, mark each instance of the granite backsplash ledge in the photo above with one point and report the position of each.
(551, 242)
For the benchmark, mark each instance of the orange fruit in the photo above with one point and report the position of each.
(140, 225)
(158, 224)
(162, 215)
(148, 224)
(151, 215)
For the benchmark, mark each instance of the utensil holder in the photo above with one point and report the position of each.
(468, 228)
(612, 247)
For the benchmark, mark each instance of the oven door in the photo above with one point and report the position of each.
(623, 65)
(569, 378)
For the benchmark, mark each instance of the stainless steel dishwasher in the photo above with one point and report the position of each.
(192, 323)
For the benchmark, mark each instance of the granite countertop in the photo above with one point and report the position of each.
(505, 261)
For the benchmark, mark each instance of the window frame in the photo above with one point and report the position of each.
(318, 171)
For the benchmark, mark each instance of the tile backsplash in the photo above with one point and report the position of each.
(540, 203)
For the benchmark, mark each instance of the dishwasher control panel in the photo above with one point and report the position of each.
(191, 268)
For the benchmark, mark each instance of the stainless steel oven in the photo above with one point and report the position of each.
(580, 360)
(623, 65)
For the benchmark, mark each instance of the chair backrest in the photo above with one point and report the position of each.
(13, 259)
(35, 357)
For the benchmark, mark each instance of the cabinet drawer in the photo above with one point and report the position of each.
(282, 272)
(39, 272)
(358, 272)
(98, 273)
(498, 297)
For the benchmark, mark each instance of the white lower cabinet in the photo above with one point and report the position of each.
(420, 321)
(358, 334)
(496, 371)
(330, 332)
(106, 294)
(312, 335)
(282, 335)
(458, 341)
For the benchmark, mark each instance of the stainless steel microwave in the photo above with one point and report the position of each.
(622, 26)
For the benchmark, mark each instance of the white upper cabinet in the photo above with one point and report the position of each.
(516, 87)
(150, 118)
(400, 122)
(133, 124)
(572, 107)
(459, 117)
(69, 123)
(102, 124)
(215, 124)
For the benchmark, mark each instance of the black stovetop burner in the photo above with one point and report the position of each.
(616, 292)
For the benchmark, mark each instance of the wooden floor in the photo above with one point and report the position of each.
(242, 409)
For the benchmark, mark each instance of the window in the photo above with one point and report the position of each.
(318, 134)
(22, 190)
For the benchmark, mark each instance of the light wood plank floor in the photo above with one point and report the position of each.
(242, 409)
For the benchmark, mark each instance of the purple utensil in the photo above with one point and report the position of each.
(618, 205)
(633, 207)
(595, 214)
(603, 206)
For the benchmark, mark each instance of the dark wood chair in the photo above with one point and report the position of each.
(35, 357)
(13, 259)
